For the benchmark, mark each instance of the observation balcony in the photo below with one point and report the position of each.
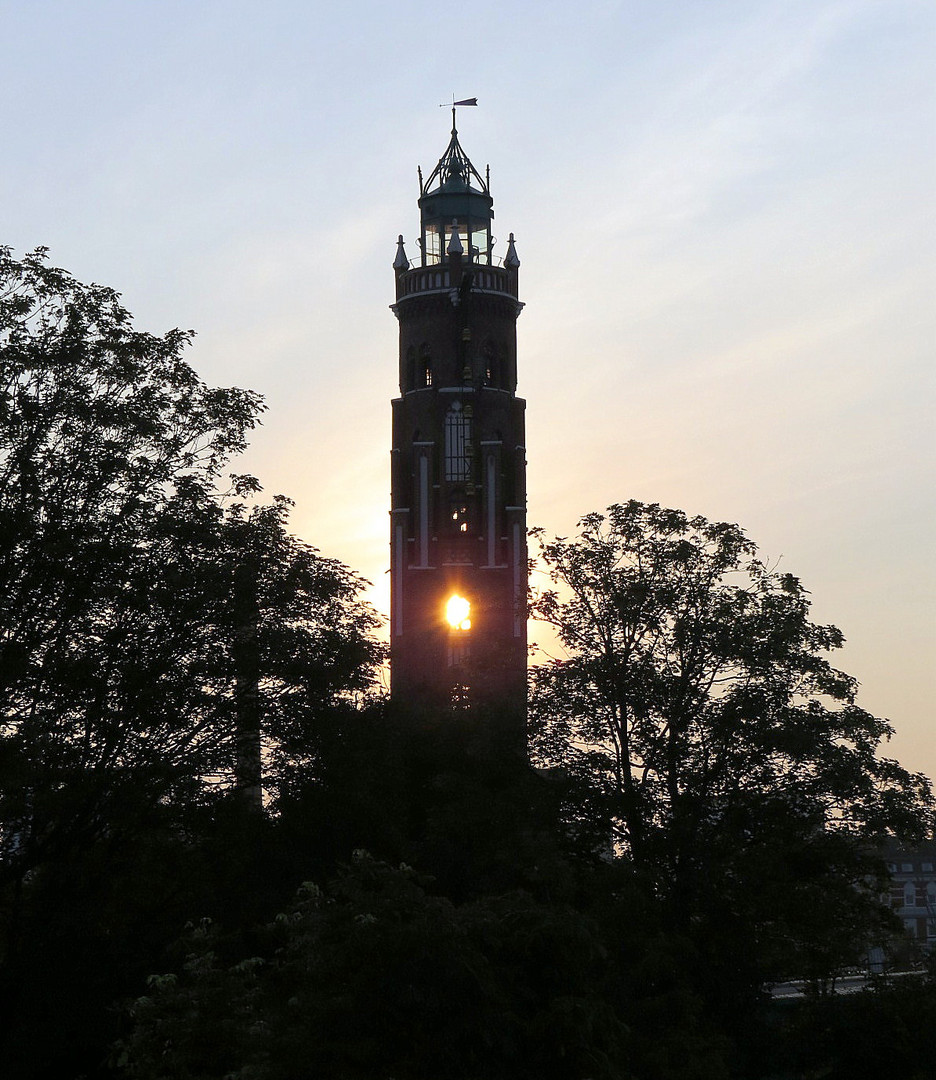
(436, 278)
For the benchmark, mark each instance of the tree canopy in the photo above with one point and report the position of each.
(712, 739)
(145, 612)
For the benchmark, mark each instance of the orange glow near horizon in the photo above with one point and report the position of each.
(458, 612)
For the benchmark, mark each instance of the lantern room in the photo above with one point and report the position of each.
(455, 198)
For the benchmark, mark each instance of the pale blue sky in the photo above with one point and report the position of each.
(724, 212)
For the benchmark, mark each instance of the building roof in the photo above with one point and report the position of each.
(454, 172)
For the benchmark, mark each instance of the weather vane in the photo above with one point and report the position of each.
(466, 101)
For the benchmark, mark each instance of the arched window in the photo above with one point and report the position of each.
(457, 444)
(410, 371)
(425, 366)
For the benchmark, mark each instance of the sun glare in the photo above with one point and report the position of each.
(457, 611)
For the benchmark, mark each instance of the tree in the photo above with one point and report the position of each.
(300, 644)
(709, 732)
(145, 626)
(161, 636)
(378, 976)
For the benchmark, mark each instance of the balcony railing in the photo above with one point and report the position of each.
(423, 279)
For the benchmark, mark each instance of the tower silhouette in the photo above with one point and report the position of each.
(458, 476)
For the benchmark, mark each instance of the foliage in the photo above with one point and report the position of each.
(165, 645)
(376, 976)
(310, 634)
(705, 727)
(137, 614)
(884, 1030)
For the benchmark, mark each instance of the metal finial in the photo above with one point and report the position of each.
(400, 262)
(511, 260)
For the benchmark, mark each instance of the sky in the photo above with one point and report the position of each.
(723, 210)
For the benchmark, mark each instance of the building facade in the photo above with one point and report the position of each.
(913, 891)
(458, 474)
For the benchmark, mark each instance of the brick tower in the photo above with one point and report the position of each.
(458, 502)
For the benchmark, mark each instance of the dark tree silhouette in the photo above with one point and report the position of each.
(144, 628)
(708, 732)
(164, 644)
(376, 976)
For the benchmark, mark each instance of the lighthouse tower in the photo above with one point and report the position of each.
(458, 502)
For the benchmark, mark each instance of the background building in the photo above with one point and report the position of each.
(913, 891)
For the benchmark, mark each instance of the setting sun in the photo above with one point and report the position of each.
(457, 611)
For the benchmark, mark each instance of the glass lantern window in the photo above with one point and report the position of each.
(479, 243)
(432, 243)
